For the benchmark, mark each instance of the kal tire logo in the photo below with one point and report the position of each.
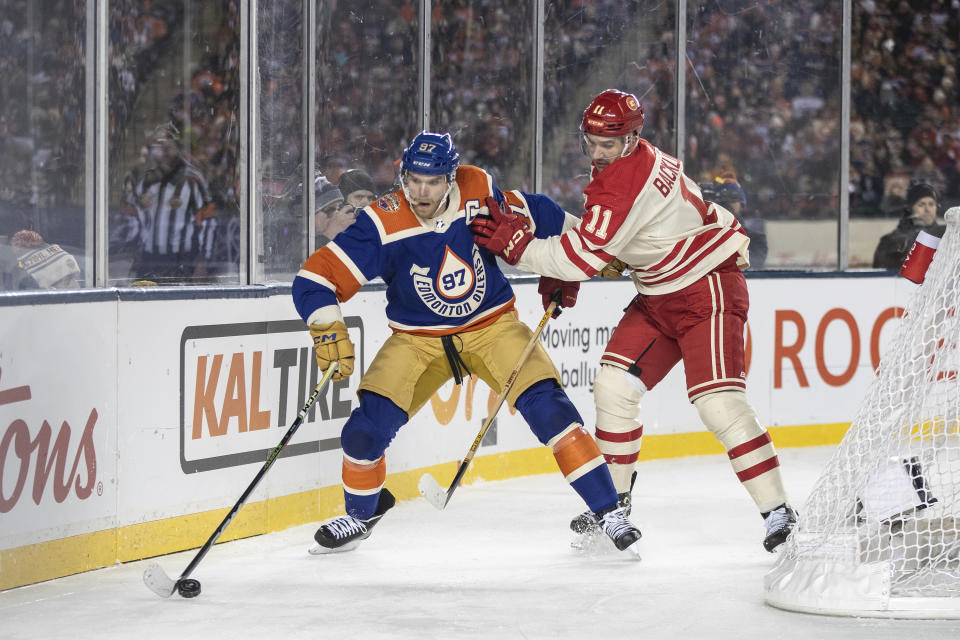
(242, 385)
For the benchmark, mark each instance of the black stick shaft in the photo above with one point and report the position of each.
(263, 471)
(500, 398)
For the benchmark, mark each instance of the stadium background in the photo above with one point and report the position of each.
(824, 110)
(102, 456)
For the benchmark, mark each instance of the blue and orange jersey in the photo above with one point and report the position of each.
(438, 280)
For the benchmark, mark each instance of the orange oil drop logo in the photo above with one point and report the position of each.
(455, 278)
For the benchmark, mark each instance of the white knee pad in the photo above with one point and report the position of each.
(729, 416)
(616, 395)
(752, 455)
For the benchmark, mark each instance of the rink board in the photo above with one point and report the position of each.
(131, 423)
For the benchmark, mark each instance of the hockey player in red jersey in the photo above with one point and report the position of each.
(451, 310)
(685, 257)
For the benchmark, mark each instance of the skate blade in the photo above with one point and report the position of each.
(633, 551)
(592, 544)
(318, 550)
(599, 545)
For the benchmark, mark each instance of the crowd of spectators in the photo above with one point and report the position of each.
(481, 79)
(905, 116)
(762, 87)
(367, 86)
(43, 57)
(762, 95)
(41, 138)
(480, 84)
(201, 107)
(629, 43)
(139, 32)
(763, 90)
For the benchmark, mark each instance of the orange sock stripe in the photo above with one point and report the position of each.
(575, 450)
(359, 478)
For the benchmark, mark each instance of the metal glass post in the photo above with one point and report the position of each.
(680, 79)
(843, 223)
(536, 153)
(424, 67)
(309, 159)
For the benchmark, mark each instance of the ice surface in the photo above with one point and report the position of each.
(496, 563)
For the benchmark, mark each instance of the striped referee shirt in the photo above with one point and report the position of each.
(175, 213)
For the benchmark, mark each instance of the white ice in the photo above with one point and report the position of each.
(496, 563)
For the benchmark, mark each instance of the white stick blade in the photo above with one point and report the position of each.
(432, 491)
(158, 581)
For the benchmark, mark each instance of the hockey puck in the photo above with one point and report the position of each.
(188, 588)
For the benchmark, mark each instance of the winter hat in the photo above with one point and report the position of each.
(26, 239)
(326, 194)
(919, 190)
(356, 180)
(728, 192)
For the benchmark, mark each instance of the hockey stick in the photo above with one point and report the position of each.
(429, 487)
(157, 579)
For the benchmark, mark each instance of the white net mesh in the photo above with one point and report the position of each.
(880, 532)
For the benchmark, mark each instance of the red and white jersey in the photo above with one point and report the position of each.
(643, 210)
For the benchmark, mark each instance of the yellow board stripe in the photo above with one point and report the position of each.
(678, 445)
(57, 558)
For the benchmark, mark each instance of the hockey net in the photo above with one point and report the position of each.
(879, 534)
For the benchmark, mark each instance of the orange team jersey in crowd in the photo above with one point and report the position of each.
(644, 211)
(438, 280)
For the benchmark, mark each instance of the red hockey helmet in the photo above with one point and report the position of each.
(613, 113)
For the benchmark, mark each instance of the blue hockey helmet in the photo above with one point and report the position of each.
(431, 154)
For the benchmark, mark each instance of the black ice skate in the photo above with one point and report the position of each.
(624, 535)
(587, 522)
(779, 523)
(345, 533)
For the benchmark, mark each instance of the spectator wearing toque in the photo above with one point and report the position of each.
(727, 192)
(331, 214)
(357, 188)
(920, 214)
(35, 264)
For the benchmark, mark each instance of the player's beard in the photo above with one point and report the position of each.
(431, 212)
(602, 164)
(425, 210)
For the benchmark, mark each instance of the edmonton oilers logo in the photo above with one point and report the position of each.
(457, 290)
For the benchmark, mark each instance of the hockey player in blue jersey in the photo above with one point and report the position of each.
(452, 313)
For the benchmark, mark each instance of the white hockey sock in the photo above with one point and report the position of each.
(752, 455)
(617, 396)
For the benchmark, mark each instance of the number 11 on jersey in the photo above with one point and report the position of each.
(598, 216)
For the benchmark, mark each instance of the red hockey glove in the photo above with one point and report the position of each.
(504, 233)
(568, 293)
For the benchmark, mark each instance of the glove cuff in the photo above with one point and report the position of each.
(328, 327)
(325, 315)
